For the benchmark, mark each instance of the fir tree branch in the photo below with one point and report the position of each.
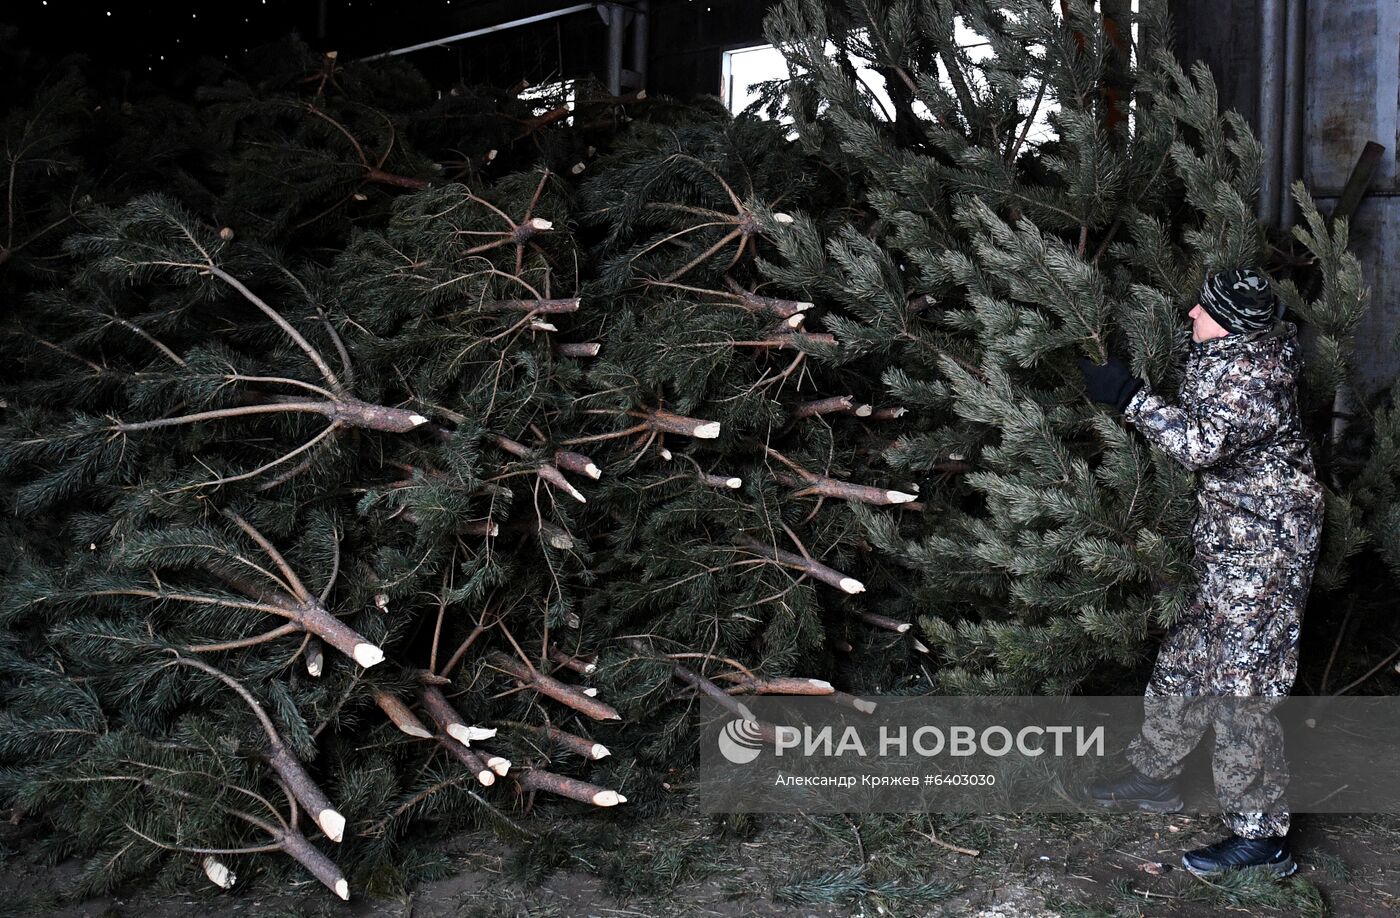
(260, 849)
(836, 404)
(335, 567)
(718, 215)
(607, 436)
(491, 207)
(349, 411)
(274, 738)
(765, 380)
(1118, 219)
(147, 336)
(577, 462)
(844, 490)
(265, 637)
(287, 766)
(748, 673)
(529, 778)
(315, 655)
(545, 471)
(326, 372)
(676, 235)
(283, 381)
(701, 684)
(539, 306)
(535, 198)
(449, 574)
(728, 482)
(96, 368)
(660, 419)
(341, 351)
(286, 476)
(1337, 644)
(359, 150)
(582, 667)
(1369, 673)
(243, 476)
(378, 826)
(809, 483)
(447, 718)
(1026, 128)
(349, 692)
(548, 685)
(809, 567)
(477, 768)
(401, 716)
(579, 745)
(964, 93)
(203, 600)
(177, 792)
(788, 340)
(532, 126)
(723, 241)
(884, 622)
(219, 414)
(707, 168)
(298, 588)
(577, 349)
(380, 177)
(477, 631)
(317, 864)
(315, 618)
(776, 685)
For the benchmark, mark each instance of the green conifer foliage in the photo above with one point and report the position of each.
(1332, 314)
(751, 414)
(233, 496)
(410, 454)
(1060, 544)
(37, 167)
(290, 516)
(298, 519)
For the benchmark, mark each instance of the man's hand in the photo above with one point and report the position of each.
(1112, 383)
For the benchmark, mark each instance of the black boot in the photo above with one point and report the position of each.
(1234, 853)
(1136, 790)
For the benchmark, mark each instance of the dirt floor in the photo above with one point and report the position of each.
(700, 865)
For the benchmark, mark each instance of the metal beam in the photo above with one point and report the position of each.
(1359, 182)
(462, 36)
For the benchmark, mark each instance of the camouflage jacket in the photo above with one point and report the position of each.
(1236, 422)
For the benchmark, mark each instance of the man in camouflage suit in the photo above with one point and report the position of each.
(1256, 536)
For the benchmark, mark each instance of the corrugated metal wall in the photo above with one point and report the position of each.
(1353, 95)
(1352, 78)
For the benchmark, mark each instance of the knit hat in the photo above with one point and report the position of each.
(1240, 300)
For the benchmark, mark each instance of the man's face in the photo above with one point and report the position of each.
(1203, 327)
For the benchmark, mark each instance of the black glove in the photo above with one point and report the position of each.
(1112, 383)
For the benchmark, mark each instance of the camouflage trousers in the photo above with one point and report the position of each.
(1227, 663)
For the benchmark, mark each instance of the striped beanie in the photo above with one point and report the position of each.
(1240, 300)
